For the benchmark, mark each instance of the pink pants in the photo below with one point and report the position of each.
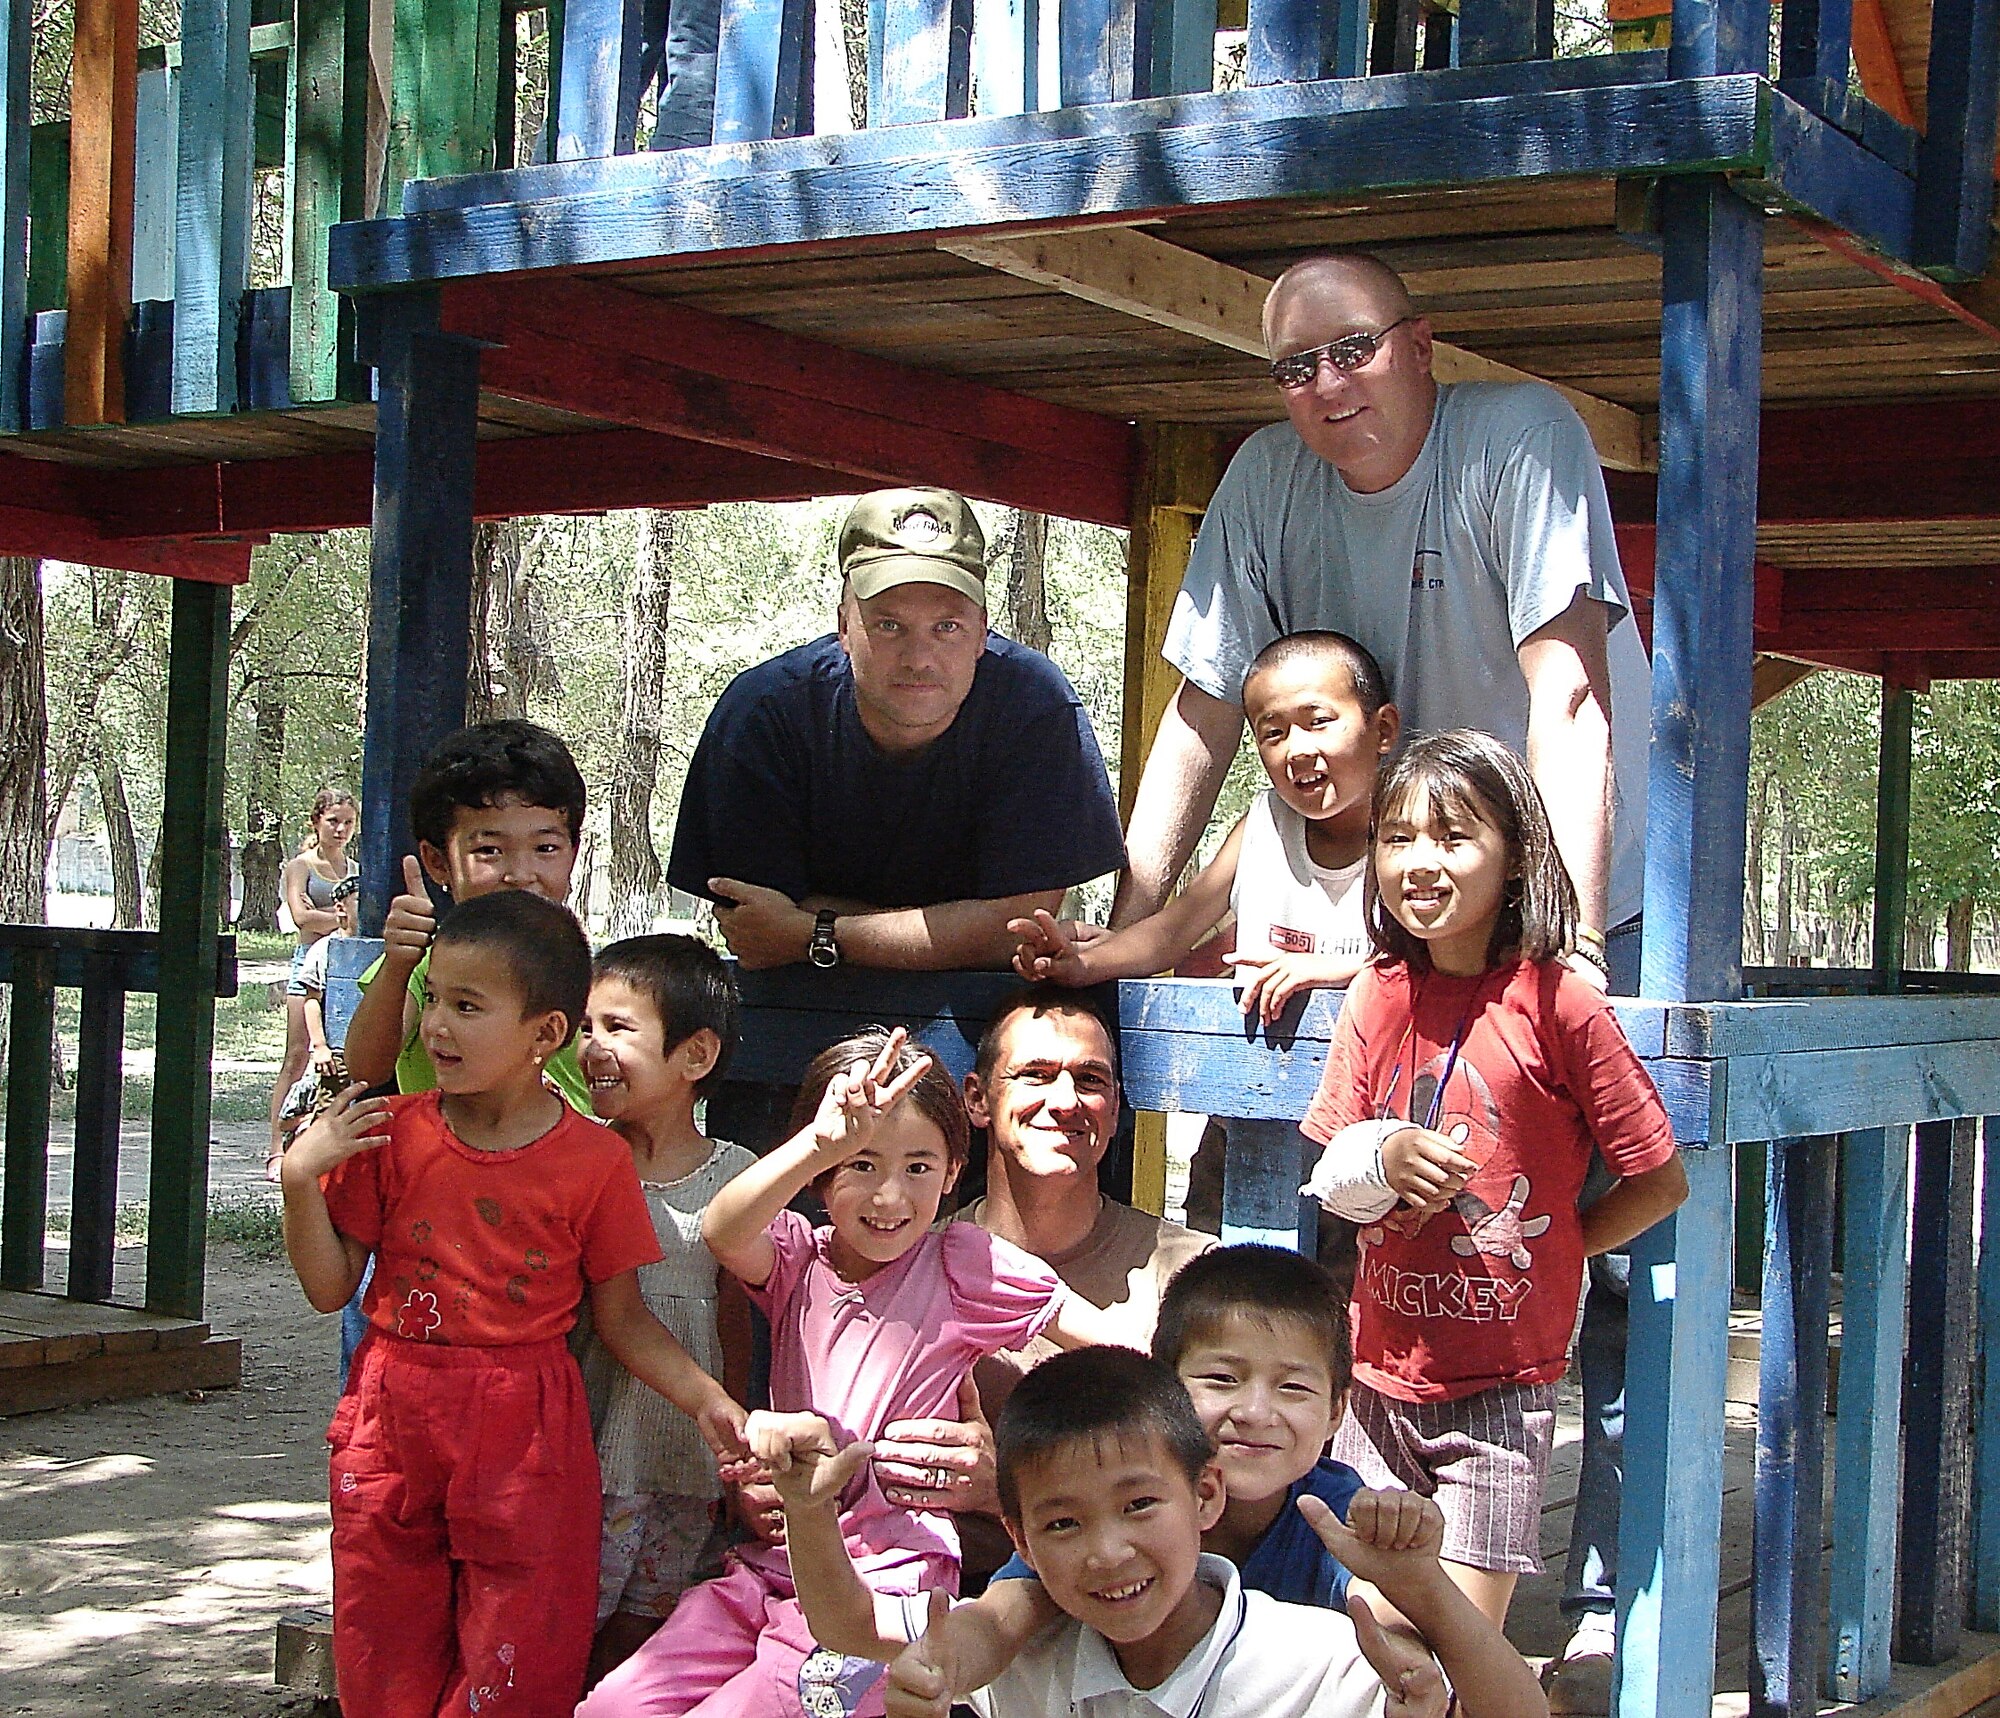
(465, 1504)
(738, 1647)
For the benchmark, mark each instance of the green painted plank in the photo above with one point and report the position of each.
(16, 53)
(24, 1195)
(191, 878)
(321, 191)
(48, 216)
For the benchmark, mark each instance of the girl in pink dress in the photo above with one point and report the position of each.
(876, 1316)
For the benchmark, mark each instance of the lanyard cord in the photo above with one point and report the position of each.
(1450, 1061)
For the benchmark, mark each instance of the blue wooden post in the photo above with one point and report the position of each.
(1868, 1432)
(212, 202)
(925, 60)
(420, 569)
(1710, 352)
(1951, 234)
(1815, 41)
(16, 51)
(764, 71)
(1495, 32)
(1260, 1186)
(1986, 1454)
(1291, 41)
(1183, 46)
(1788, 1521)
(1107, 50)
(1937, 1397)
(100, 1085)
(597, 111)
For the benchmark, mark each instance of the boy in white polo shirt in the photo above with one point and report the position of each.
(1107, 1481)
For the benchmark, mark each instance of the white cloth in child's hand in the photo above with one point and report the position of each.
(1348, 1179)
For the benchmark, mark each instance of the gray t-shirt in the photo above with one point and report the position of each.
(1501, 522)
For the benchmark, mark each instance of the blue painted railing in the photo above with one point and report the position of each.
(1889, 1091)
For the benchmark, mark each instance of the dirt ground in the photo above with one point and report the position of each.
(148, 1548)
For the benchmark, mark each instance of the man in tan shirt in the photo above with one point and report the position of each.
(1045, 1088)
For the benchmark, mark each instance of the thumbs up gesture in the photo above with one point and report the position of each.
(919, 1682)
(412, 921)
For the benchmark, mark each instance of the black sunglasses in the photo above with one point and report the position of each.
(1349, 352)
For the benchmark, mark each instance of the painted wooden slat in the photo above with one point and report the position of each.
(1986, 1456)
(1892, 833)
(1868, 1447)
(100, 1085)
(1293, 40)
(48, 219)
(1835, 1090)
(191, 853)
(136, 954)
(16, 53)
(103, 108)
(1398, 29)
(1954, 209)
(24, 1176)
(1814, 43)
(1495, 32)
(212, 202)
(1266, 1162)
(1786, 1611)
(1006, 56)
(1107, 50)
(420, 571)
(1289, 140)
(1670, 1530)
(926, 61)
(1183, 46)
(153, 184)
(1779, 1025)
(1714, 38)
(1937, 1397)
(1818, 171)
(764, 71)
(329, 107)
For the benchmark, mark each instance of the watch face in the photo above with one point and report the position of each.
(823, 953)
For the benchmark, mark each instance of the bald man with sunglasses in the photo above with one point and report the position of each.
(1462, 533)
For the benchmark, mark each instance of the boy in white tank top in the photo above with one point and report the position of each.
(1291, 870)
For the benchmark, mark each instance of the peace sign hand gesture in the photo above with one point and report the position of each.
(856, 1101)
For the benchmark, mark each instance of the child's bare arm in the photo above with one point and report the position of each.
(653, 1354)
(810, 1475)
(1078, 1324)
(737, 1218)
(1633, 1206)
(384, 1017)
(315, 1012)
(328, 1263)
(1390, 1541)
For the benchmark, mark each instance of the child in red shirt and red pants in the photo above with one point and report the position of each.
(1473, 1076)
(464, 1485)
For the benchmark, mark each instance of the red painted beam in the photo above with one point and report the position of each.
(67, 537)
(651, 364)
(1635, 555)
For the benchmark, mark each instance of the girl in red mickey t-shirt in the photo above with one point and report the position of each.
(1471, 1078)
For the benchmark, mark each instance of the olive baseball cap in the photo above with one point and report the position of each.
(910, 537)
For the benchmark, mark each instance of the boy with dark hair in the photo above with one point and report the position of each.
(497, 806)
(464, 1485)
(1108, 1482)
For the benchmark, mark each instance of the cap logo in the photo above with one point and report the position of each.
(919, 526)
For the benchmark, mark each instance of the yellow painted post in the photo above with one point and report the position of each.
(1179, 467)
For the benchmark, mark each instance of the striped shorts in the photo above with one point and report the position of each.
(1485, 1458)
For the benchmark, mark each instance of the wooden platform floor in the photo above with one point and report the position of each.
(56, 1352)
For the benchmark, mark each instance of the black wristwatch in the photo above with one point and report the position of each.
(823, 951)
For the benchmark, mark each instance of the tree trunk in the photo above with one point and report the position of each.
(116, 635)
(152, 887)
(635, 862)
(24, 738)
(1958, 934)
(1783, 953)
(510, 659)
(854, 38)
(264, 847)
(1020, 558)
(123, 840)
(1753, 874)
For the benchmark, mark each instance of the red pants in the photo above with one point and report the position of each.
(465, 1504)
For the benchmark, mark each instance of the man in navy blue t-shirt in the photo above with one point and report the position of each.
(892, 794)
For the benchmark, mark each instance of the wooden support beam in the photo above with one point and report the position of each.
(104, 97)
(1787, 1610)
(1951, 232)
(211, 202)
(1875, 1182)
(16, 52)
(598, 109)
(420, 571)
(654, 365)
(1969, 308)
(1815, 40)
(1892, 835)
(1174, 287)
(191, 888)
(1710, 351)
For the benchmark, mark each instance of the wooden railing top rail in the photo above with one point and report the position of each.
(77, 952)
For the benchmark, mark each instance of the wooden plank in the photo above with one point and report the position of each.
(1670, 1531)
(212, 202)
(103, 115)
(1006, 55)
(216, 1365)
(1937, 1397)
(329, 100)
(1815, 40)
(1816, 169)
(420, 571)
(1875, 62)
(1292, 41)
(1835, 1090)
(48, 220)
(16, 55)
(1703, 588)
(1952, 226)
(1106, 49)
(1183, 46)
(191, 875)
(1265, 1167)
(72, 950)
(1139, 275)
(764, 71)
(925, 62)
(1868, 1448)
(1496, 32)
(1294, 140)
(1985, 1613)
(1717, 37)
(153, 183)
(1781, 1026)
(1788, 1531)
(100, 1087)
(1892, 833)
(24, 1177)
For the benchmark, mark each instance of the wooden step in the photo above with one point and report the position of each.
(55, 1353)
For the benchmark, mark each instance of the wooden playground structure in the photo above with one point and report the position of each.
(1766, 286)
